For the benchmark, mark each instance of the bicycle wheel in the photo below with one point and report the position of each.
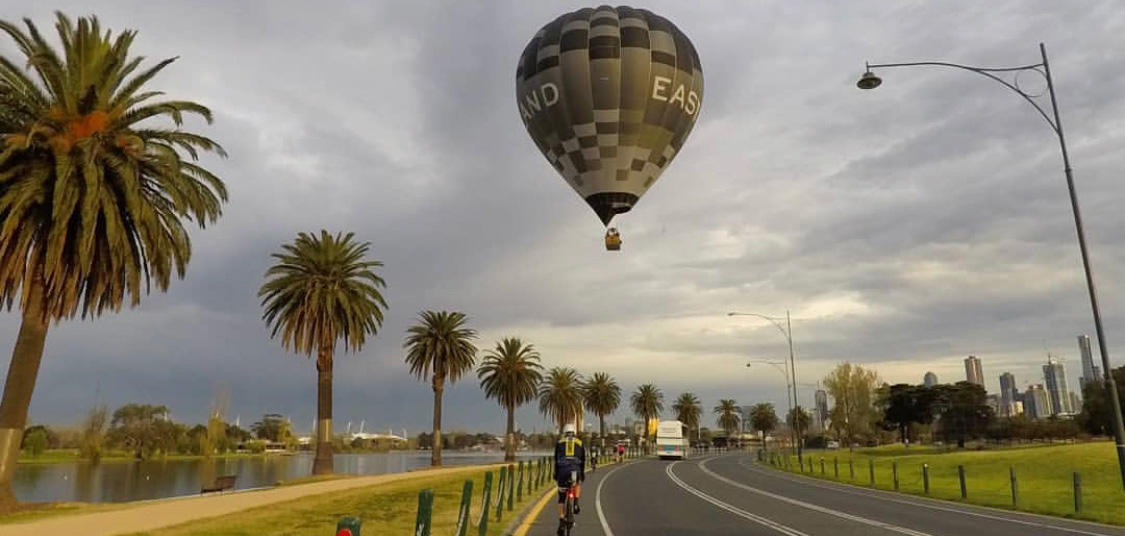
(569, 513)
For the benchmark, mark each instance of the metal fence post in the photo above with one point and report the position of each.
(1077, 492)
(822, 467)
(425, 512)
(961, 477)
(871, 469)
(926, 477)
(894, 473)
(851, 468)
(1015, 487)
(836, 466)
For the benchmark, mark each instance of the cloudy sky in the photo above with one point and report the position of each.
(904, 228)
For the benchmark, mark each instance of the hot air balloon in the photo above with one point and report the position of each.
(609, 95)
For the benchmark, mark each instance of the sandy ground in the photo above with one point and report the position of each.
(150, 515)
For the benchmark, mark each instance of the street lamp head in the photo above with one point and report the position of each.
(868, 81)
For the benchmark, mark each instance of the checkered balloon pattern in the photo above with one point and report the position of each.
(609, 95)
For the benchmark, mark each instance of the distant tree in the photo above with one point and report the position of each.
(728, 417)
(762, 417)
(560, 396)
(705, 435)
(237, 435)
(965, 413)
(141, 428)
(35, 441)
(323, 290)
(93, 432)
(799, 416)
(853, 390)
(511, 374)
(903, 405)
(688, 410)
(49, 434)
(647, 402)
(1097, 413)
(440, 350)
(272, 427)
(601, 395)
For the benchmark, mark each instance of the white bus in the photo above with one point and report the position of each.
(670, 440)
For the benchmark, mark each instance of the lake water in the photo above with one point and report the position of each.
(133, 481)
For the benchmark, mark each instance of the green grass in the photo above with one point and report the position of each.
(1044, 475)
(37, 511)
(384, 509)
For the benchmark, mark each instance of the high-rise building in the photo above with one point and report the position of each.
(973, 371)
(1090, 371)
(1007, 395)
(993, 401)
(821, 411)
(1036, 402)
(930, 379)
(1054, 374)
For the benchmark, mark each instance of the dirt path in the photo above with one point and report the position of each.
(167, 512)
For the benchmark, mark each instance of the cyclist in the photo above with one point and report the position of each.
(620, 452)
(570, 458)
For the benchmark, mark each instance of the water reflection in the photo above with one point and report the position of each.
(132, 481)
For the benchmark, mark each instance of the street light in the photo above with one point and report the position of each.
(787, 331)
(870, 81)
(782, 366)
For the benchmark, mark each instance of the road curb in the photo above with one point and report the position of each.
(520, 524)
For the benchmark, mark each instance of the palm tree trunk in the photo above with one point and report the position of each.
(435, 454)
(510, 447)
(322, 463)
(22, 373)
(601, 428)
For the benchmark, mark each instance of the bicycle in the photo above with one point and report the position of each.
(569, 489)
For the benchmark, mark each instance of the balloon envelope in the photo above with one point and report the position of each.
(609, 95)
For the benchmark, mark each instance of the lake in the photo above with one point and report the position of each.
(134, 481)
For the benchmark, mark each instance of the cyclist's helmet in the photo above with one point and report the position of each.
(568, 430)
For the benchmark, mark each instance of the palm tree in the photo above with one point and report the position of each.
(647, 402)
(602, 395)
(728, 420)
(93, 195)
(440, 347)
(688, 410)
(511, 374)
(321, 290)
(560, 395)
(763, 417)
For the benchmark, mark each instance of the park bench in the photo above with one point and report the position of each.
(222, 483)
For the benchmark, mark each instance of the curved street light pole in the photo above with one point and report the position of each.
(870, 81)
(784, 369)
(787, 331)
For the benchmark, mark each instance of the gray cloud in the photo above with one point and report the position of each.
(905, 227)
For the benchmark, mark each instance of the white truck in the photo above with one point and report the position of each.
(670, 440)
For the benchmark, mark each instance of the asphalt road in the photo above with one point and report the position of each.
(730, 495)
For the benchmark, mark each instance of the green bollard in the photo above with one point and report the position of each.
(961, 477)
(511, 485)
(822, 467)
(836, 466)
(485, 503)
(894, 473)
(1077, 492)
(1015, 487)
(926, 477)
(519, 485)
(463, 513)
(348, 526)
(851, 469)
(500, 493)
(425, 512)
(871, 470)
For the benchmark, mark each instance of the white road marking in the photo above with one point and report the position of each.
(810, 506)
(876, 494)
(598, 501)
(788, 531)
